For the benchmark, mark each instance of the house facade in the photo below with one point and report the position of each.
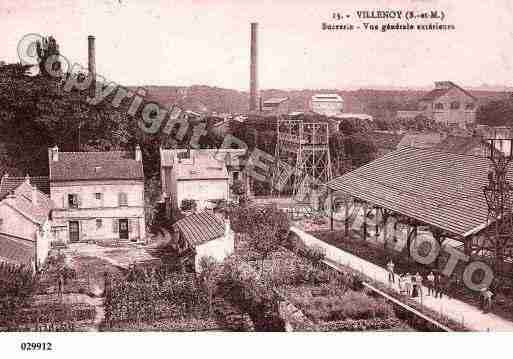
(204, 175)
(193, 175)
(98, 196)
(448, 104)
(25, 227)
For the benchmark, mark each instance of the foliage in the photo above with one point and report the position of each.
(496, 113)
(351, 126)
(210, 274)
(188, 205)
(360, 148)
(17, 286)
(151, 294)
(247, 219)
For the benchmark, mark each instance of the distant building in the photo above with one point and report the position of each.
(98, 196)
(194, 175)
(203, 175)
(276, 106)
(327, 104)
(25, 228)
(336, 120)
(205, 235)
(448, 104)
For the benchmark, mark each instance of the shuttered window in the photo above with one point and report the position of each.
(115, 226)
(122, 199)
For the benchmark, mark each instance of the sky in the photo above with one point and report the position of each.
(201, 42)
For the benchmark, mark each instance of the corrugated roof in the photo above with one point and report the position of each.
(16, 250)
(72, 166)
(438, 188)
(199, 228)
(9, 183)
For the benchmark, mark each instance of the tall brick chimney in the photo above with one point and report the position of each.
(91, 65)
(253, 81)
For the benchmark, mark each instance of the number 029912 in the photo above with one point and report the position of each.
(31, 346)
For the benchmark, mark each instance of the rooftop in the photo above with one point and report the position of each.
(113, 165)
(16, 250)
(441, 88)
(9, 183)
(21, 199)
(199, 228)
(327, 97)
(441, 189)
(231, 156)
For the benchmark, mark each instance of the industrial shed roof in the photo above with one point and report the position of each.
(441, 189)
(199, 228)
(16, 250)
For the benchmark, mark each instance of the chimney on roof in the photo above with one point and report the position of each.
(53, 154)
(34, 195)
(253, 81)
(91, 65)
(138, 154)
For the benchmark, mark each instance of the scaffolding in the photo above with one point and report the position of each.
(498, 240)
(302, 157)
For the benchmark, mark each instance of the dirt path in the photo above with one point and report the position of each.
(457, 310)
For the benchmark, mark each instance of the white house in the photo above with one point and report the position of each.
(206, 235)
(98, 196)
(204, 176)
(25, 230)
(327, 104)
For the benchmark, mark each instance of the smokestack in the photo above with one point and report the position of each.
(91, 66)
(253, 81)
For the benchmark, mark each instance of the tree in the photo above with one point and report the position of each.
(496, 113)
(45, 49)
(239, 190)
(360, 148)
(264, 239)
(210, 276)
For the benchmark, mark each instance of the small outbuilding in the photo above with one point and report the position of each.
(207, 235)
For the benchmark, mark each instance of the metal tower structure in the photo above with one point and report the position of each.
(498, 239)
(302, 156)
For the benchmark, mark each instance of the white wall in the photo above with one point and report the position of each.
(201, 191)
(15, 223)
(219, 249)
(107, 209)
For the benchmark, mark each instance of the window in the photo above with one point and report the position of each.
(73, 200)
(439, 106)
(99, 223)
(455, 105)
(98, 196)
(469, 106)
(235, 176)
(122, 199)
(1, 223)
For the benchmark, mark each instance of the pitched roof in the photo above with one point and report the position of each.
(438, 188)
(22, 201)
(275, 100)
(438, 92)
(9, 183)
(113, 165)
(16, 250)
(199, 228)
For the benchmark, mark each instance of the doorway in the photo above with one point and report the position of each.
(74, 231)
(123, 228)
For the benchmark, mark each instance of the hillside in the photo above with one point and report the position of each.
(381, 104)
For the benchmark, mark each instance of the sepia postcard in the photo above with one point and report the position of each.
(216, 167)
